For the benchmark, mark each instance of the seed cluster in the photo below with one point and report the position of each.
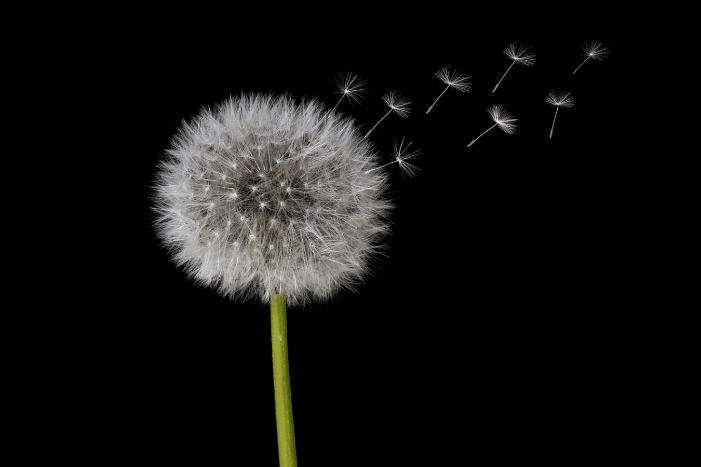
(265, 196)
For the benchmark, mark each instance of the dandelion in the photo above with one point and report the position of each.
(558, 99)
(456, 80)
(500, 117)
(517, 53)
(396, 103)
(268, 198)
(348, 86)
(594, 50)
(401, 158)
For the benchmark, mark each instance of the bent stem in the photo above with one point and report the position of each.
(281, 375)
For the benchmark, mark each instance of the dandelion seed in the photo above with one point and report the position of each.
(396, 103)
(456, 80)
(401, 158)
(517, 53)
(594, 50)
(501, 117)
(558, 99)
(348, 86)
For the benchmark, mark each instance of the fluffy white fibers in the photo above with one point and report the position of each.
(266, 195)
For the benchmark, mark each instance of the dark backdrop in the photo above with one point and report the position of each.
(486, 331)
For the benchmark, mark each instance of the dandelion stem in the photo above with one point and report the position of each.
(429, 109)
(485, 132)
(553, 127)
(281, 376)
(390, 111)
(334, 107)
(580, 66)
(376, 168)
(512, 64)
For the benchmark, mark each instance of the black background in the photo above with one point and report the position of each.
(486, 331)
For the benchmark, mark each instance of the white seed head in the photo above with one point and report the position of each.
(311, 226)
(398, 103)
(456, 80)
(501, 117)
(517, 52)
(560, 99)
(594, 50)
(350, 86)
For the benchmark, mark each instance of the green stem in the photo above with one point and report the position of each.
(281, 375)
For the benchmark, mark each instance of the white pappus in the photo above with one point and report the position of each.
(397, 104)
(594, 50)
(349, 86)
(401, 157)
(518, 53)
(558, 99)
(452, 79)
(501, 118)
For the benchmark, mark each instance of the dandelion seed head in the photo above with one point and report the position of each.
(594, 50)
(560, 99)
(456, 80)
(216, 210)
(501, 117)
(518, 52)
(398, 103)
